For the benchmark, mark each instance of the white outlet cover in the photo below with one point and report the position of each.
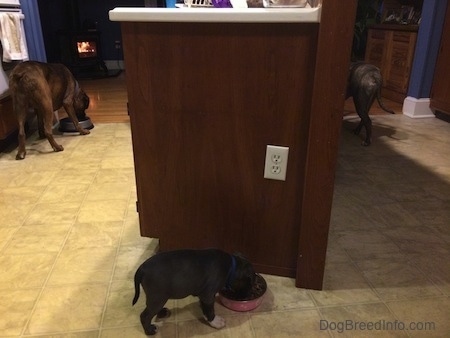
(276, 169)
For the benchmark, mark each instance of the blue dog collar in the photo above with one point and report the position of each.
(231, 273)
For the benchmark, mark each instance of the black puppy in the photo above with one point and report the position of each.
(364, 84)
(178, 274)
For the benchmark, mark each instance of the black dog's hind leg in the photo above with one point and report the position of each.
(146, 321)
(153, 308)
(367, 123)
(362, 105)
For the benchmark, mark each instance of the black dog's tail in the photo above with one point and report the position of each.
(380, 102)
(137, 281)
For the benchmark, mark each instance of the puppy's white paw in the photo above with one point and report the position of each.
(218, 322)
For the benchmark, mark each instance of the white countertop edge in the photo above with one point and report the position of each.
(231, 15)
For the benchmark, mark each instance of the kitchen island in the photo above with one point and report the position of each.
(208, 90)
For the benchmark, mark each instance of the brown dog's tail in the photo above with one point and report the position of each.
(137, 281)
(380, 102)
(22, 80)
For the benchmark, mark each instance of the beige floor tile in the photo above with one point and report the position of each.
(78, 162)
(165, 330)
(25, 271)
(236, 326)
(410, 247)
(75, 176)
(108, 191)
(9, 170)
(130, 258)
(80, 334)
(362, 320)
(53, 213)
(38, 239)
(5, 235)
(59, 191)
(124, 175)
(14, 215)
(117, 162)
(102, 211)
(437, 269)
(68, 308)
(15, 307)
(91, 148)
(335, 252)
(83, 266)
(131, 234)
(33, 179)
(343, 284)
(388, 214)
(94, 235)
(295, 323)
(347, 216)
(119, 311)
(283, 295)
(397, 279)
(422, 234)
(20, 195)
(428, 317)
(366, 244)
(120, 147)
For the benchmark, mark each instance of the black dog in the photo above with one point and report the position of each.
(178, 274)
(364, 85)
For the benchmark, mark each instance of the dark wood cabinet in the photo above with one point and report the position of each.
(440, 91)
(391, 48)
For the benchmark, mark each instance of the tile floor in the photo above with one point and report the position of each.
(69, 243)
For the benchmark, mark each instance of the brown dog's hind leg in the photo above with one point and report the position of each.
(40, 124)
(20, 110)
(21, 152)
(46, 108)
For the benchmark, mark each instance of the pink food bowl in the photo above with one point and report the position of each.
(252, 302)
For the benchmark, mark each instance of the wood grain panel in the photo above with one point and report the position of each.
(205, 100)
(335, 34)
(440, 91)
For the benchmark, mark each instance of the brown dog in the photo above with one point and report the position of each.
(46, 87)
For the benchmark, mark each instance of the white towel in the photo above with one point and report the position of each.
(12, 37)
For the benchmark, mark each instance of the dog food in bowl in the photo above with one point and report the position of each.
(230, 301)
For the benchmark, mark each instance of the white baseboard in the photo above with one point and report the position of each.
(417, 108)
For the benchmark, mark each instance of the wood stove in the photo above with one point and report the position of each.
(81, 51)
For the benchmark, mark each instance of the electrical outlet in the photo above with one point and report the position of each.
(118, 44)
(276, 162)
